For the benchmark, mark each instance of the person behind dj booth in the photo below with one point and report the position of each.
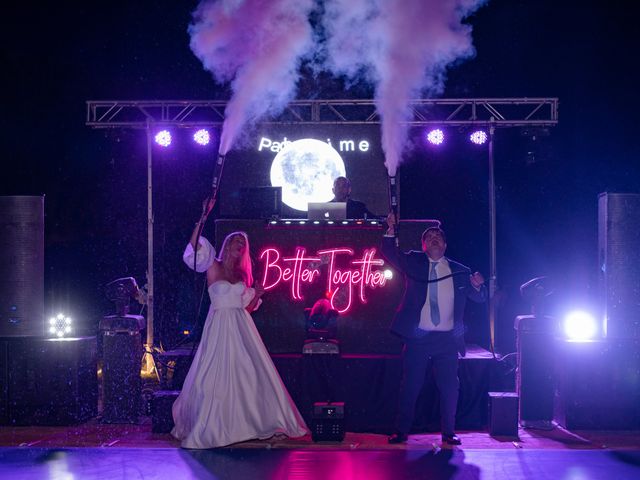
(430, 321)
(342, 193)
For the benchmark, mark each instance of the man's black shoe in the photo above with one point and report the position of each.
(398, 437)
(452, 439)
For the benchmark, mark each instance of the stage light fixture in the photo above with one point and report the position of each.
(60, 325)
(435, 137)
(580, 326)
(202, 137)
(388, 274)
(163, 138)
(479, 137)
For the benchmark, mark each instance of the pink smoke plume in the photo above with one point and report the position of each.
(404, 47)
(257, 45)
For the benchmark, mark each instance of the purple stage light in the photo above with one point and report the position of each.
(435, 137)
(479, 137)
(580, 326)
(202, 137)
(163, 138)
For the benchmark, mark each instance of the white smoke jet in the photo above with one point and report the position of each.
(258, 46)
(404, 47)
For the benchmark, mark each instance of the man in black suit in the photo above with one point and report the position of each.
(342, 193)
(430, 321)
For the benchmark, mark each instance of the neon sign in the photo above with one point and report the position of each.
(344, 145)
(343, 275)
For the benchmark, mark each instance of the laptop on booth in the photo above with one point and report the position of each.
(327, 211)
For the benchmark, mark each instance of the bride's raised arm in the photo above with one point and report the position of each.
(205, 254)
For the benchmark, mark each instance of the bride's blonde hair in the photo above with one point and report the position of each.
(244, 265)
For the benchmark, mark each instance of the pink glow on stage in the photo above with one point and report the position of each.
(341, 282)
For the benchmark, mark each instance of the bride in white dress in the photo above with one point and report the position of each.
(232, 392)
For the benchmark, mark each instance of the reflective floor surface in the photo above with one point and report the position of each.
(27, 463)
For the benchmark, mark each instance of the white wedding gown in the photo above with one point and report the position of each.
(232, 392)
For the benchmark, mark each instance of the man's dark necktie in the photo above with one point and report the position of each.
(433, 295)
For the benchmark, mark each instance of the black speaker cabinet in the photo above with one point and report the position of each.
(503, 414)
(122, 360)
(4, 382)
(161, 413)
(535, 379)
(48, 381)
(619, 261)
(22, 266)
(327, 423)
(598, 385)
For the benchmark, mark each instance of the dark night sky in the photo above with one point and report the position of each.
(55, 57)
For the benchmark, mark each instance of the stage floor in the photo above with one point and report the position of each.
(101, 451)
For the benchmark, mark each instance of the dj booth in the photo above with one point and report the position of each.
(301, 261)
(368, 384)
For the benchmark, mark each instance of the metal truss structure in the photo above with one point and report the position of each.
(498, 112)
(489, 113)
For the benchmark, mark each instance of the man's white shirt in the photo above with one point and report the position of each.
(445, 300)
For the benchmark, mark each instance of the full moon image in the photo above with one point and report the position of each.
(306, 169)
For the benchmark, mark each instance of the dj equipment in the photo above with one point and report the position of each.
(503, 414)
(161, 414)
(327, 423)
